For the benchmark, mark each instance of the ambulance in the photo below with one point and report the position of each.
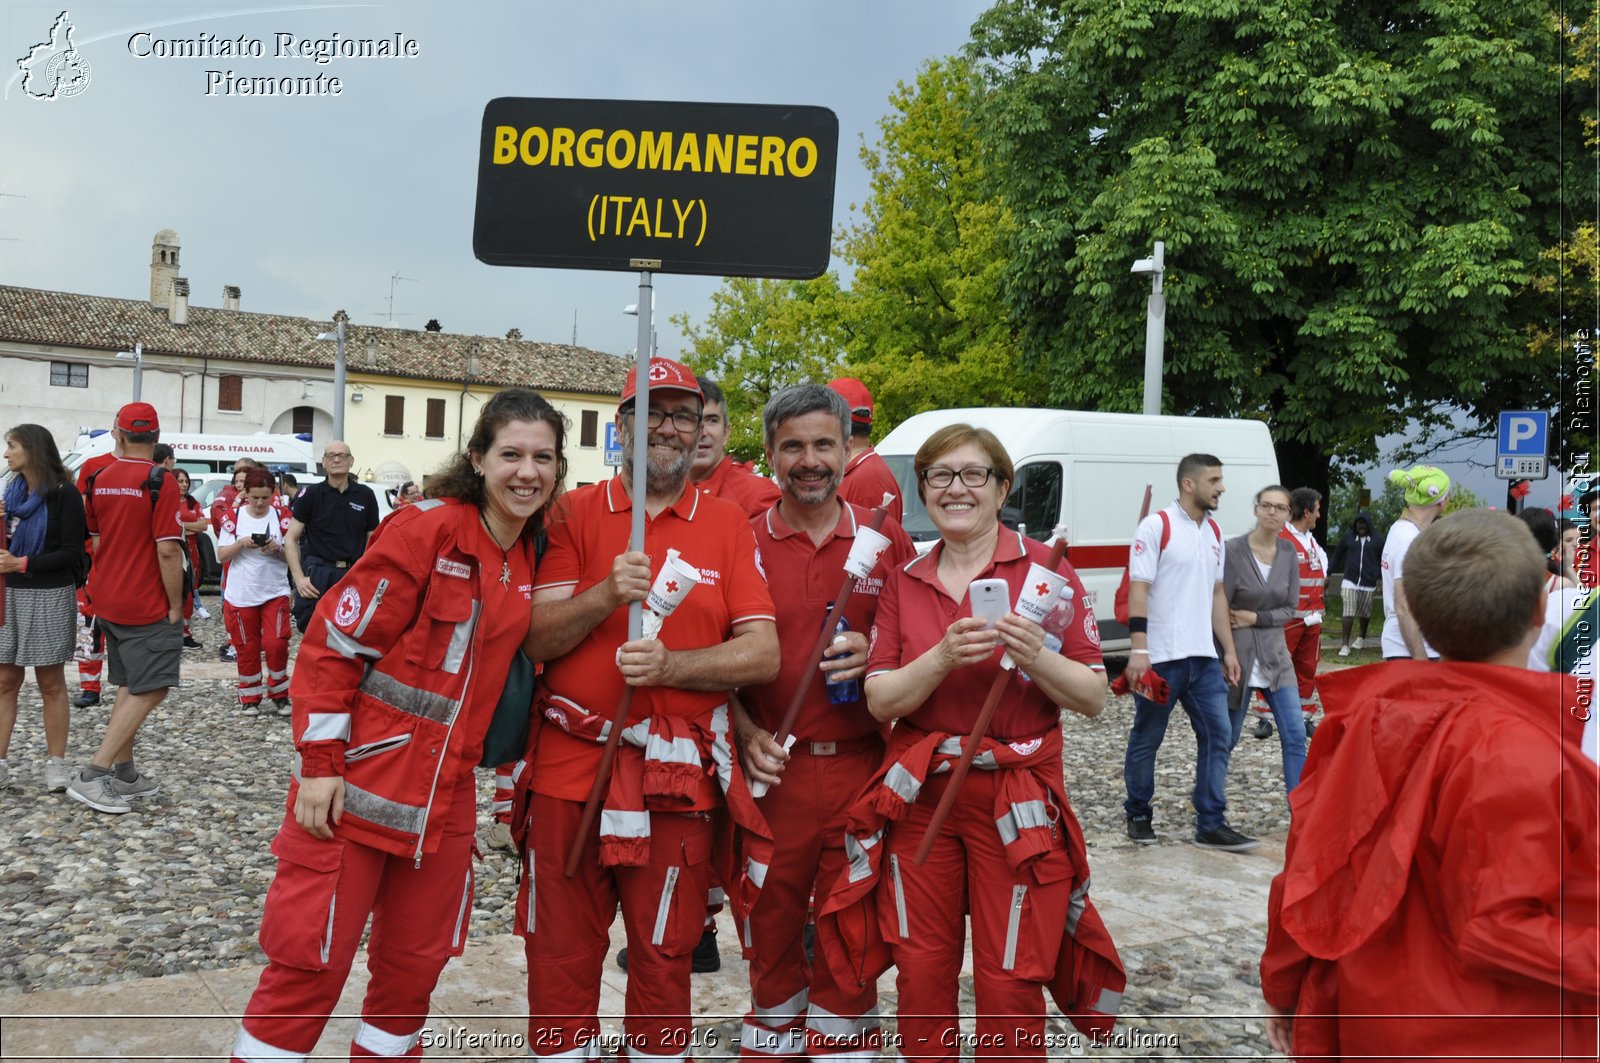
(204, 452)
(1087, 471)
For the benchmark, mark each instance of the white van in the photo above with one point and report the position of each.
(203, 452)
(1088, 471)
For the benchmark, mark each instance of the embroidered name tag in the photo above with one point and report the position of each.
(446, 567)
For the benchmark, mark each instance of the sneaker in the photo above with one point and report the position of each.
(200, 613)
(99, 794)
(86, 698)
(1226, 839)
(227, 654)
(5, 776)
(1140, 830)
(1359, 643)
(57, 774)
(284, 708)
(1344, 651)
(1263, 728)
(250, 710)
(499, 836)
(141, 786)
(191, 643)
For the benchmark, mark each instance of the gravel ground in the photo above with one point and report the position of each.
(177, 885)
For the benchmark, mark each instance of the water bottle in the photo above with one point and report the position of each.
(841, 691)
(1055, 625)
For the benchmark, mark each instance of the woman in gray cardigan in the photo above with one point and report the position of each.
(1261, 578)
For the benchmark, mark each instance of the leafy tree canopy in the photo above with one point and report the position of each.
(1354, 198)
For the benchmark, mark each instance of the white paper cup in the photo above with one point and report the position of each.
(1039, 593)
(673, 583)
(868, 546)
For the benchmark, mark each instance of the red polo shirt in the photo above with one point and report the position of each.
(589, 531)
(805, 578)
(125, 580)
(916, 611)
(739, 484)
(867, 479)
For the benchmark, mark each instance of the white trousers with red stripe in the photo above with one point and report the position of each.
(315, 912)
(252, 629)
(800, 1011)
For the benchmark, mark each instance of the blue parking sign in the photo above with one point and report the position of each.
(613, 445)
(1521, 445)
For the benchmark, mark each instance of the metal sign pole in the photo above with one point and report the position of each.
(641, 437)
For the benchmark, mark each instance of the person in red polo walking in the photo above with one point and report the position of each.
(651, 847)
(866, 475)
(136, 584)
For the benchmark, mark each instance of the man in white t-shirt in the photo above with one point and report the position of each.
(1177, 617)
(1426, 490)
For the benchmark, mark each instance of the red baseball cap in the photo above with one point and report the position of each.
(138, 417)
(855, 393)
(665, 374)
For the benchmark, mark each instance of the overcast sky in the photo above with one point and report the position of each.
(311, 204)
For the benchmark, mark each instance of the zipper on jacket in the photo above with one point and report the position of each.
(899, 895)
(444, 748)
(665, 908)
(372, 749)
(1019, 892)
(372, 607)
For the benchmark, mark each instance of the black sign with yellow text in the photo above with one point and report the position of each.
(734, 190)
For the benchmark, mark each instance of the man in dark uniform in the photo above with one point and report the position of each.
(332, 522)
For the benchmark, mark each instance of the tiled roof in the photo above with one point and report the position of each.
(65, 319)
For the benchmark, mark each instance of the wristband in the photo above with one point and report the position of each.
(1139, 624)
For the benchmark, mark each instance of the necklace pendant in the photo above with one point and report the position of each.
(505, 573)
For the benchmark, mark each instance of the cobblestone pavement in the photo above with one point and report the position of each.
(177, 885)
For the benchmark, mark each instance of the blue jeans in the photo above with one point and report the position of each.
(1197, 684)
(1286, 710)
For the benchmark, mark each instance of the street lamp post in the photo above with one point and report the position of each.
(1155, 327)
(337, 336)
(137, 357)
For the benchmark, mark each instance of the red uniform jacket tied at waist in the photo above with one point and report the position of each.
(664, 764)
(1031, 804)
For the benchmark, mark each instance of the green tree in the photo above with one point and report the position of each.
(925, 321)
(1354, 198)
(760, 336)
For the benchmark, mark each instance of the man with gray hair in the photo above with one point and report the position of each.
(799, 1008)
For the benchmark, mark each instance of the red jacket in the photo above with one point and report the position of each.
(384, 669)
(1439, 893)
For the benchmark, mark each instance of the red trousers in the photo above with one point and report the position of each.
(566, 924)
(89, 671)
(1305, 647)
(800, 1011)
(315, 912)
(252, 628)
(1018, 922)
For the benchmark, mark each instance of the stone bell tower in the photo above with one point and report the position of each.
(163, 267)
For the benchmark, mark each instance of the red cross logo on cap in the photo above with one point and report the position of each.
(658, 372)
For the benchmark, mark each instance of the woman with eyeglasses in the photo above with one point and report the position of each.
(1261, 578)
(1011, 854)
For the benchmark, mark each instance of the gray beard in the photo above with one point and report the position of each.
(660, 478)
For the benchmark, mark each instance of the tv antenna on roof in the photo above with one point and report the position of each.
(392, 282)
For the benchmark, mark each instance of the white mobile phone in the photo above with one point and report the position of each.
(990, 598)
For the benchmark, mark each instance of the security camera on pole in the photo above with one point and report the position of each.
(1155, 327)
